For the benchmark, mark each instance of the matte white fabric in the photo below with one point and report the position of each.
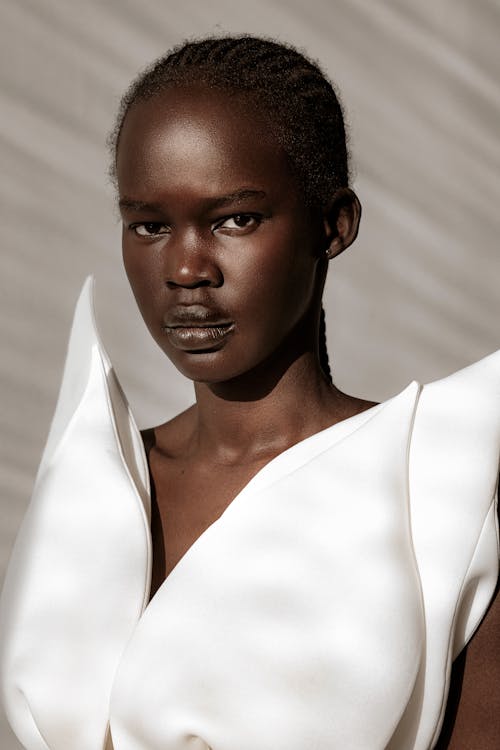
(321, 610)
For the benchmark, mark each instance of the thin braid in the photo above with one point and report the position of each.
(300, 103)
(323, 351)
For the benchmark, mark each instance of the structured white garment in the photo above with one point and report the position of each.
(321, 611)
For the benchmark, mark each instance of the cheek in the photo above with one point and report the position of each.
(273, 282)
(286, 269)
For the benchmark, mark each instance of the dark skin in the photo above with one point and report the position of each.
(212, 222)
(227, 264)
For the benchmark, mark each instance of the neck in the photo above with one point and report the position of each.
(246, 421)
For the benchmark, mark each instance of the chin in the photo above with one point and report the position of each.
(205, 367)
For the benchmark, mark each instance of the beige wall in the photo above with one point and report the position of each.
(417, 297)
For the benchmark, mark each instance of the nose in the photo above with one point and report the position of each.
(190, 262)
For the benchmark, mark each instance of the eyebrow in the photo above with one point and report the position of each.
(134, 205)
(238, 196)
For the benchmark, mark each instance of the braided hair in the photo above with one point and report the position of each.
(298, 102)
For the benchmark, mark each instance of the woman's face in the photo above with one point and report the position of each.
(225, 260)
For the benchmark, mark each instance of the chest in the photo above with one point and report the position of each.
(285, 604)
(188, 497)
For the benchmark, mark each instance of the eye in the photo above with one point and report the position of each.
(150, 229)
(239, 223)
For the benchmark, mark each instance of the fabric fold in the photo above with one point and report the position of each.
(285, 618)
(78, 577)
(453, 476)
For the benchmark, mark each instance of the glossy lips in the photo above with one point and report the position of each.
(196, 328)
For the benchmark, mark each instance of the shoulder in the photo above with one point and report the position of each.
(453, 471)
(454, 462)
(455, 441)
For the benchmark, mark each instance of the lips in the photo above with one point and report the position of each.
(196, 328)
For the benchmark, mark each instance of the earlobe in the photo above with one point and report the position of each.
(341, 221)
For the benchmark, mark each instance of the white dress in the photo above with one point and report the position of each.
(321, 611)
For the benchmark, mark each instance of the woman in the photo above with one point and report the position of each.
(299, 596)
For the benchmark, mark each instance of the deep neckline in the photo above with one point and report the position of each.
(292, 458)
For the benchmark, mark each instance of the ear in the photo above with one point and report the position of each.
(341, 221)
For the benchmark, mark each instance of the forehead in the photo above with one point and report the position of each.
(199, 134)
